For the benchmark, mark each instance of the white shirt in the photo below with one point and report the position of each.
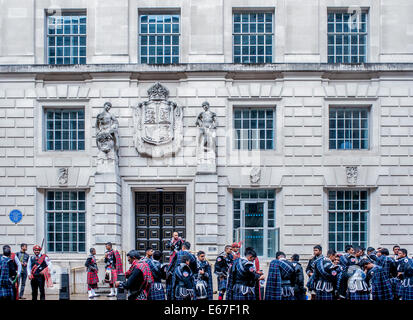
(29, 264)
(19, 265)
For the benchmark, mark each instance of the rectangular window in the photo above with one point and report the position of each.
(66, 38)
(347, 37)
(66, 221)
(254, 220)
(348, 128)
(159, 38)
(254, 128)
(65, 130)
(253, 37)
(347, 218)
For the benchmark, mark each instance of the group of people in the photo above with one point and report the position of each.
(186, 277)
(358, 274)
(361, 274)
(15, 268)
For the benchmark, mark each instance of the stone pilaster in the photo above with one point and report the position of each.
(206, 213)
(108, 209)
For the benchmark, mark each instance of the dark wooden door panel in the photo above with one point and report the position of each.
(158, 215)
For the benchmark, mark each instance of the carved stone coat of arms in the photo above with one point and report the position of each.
(158, 124)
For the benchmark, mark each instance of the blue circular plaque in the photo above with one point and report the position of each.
(16, 216)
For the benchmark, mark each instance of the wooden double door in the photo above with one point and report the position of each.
(158, 215)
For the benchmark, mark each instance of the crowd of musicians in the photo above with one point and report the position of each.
(358, 274)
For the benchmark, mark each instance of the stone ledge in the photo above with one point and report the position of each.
(205, 67)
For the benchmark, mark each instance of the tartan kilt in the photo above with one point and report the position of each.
(406, 293)
(114, 276)
(156, 293)
(242, 297)
(181, 299)
(358, 295)
(324, 296)
(7, 291)
(222, 283)
(396, 287)
(92, 277)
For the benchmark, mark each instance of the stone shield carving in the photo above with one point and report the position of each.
(158, 124)
(62, 176)
(352, 175)
(255, 175)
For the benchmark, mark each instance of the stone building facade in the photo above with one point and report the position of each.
(327, 152)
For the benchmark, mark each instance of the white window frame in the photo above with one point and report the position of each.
(369, 210)
(40, 126)
(367, 46)
(347, 108)
(45, 110)
(45, 221)
(63, 12)
(240, 157)
(247, 10)
(374, 126)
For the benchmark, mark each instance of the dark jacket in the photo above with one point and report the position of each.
(134, 284)
(299, 290)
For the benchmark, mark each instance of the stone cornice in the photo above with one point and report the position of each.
(275, 70)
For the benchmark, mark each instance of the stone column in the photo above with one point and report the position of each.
(206, 213)
(108, 209)
(206, 183)
(107, 180)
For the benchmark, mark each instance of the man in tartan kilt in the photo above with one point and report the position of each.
(386, 262)
(156, 291)
(281, 279)
(222, 264)
(203, 278)
(176, 261)
(175, 245)
(309, 270)
(137, 280)
(183, 284)
(8, 271)
(242, 277)
(324, 279)
(92, 274)
(405, 274)
(352, 283)
(347, 256)
(379, 282)
(113, 267)
(147, 277)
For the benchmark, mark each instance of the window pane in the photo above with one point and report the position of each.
(66, 35)
(250, 29)
(247, 121)
(63, 227)
(349, 227)
(348, 128)
(58, 135)
(158, 49)
(343, 28)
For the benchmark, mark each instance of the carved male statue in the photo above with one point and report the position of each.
(207, 124)
(107, 138)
